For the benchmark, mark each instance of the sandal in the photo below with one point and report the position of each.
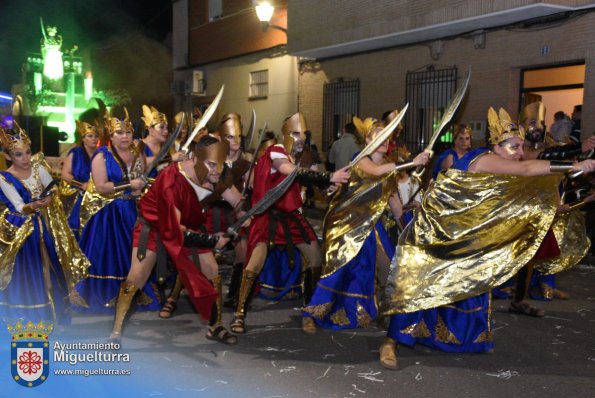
(524, 308)
(238, 325)
(221, 335)
(308, 325)
(168, 309)
(388, 353)
(559, 294)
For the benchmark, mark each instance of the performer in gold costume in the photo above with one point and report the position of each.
(480, 223)
(40, 261)
(358, 249)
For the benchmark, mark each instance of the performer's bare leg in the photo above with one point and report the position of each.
(137, 277)
(240, 249)
(171, 303)
(253, 268)
(210, 269)
(312, 254)
(519, 304)
(382, 272)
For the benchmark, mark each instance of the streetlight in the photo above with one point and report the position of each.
(264, 12)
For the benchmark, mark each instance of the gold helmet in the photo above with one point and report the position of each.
(460, 129)
(502, 127)
(178, 118)
(389, 118)
(151, 117)
(114, 124)
(293, 124)
(533, 119)
(84, 128)
(17, 140)
(231, 125)
(268, 140)
(368, 127)
(209, 148)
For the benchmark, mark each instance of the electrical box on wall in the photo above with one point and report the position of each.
(478, 130)
(198, 83)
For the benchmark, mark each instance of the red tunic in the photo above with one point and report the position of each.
(264, 180)
(172, 191)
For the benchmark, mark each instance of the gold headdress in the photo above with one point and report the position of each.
(294, 123)
(18, 138)
(177, 119)
(83, 128)
(367, 126)
(533, 120)
(502, 127)
(231, 124)
(114, 124)
(459, 129)
(151, 116)
(390, 117)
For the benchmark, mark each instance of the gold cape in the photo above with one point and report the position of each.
(571, 233)
(474, 232)
(94, 201)
(352, 214)
(73, 262)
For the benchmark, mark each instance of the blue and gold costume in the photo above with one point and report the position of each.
(107, 222)
(40, 261)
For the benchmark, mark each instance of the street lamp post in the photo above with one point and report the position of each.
(264, 12)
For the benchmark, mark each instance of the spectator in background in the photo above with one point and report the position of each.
(576, 123)
(344, 148)
(561, 128)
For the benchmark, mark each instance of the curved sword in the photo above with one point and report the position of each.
(380, 137)
(250, 133)
(267, 201)
(203, 120)
(253, 161)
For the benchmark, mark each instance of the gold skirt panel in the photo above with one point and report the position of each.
(571, 233)
(474, 232)
(352, 214)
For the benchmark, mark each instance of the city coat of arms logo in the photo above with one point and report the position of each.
(30, 353)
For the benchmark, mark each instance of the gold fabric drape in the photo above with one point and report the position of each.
(571, 233)
(73, 262)
(11, 241)
(94, 201)
(352, 214)
(474, 232)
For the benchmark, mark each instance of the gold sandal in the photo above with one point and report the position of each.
(308, 325)
(388, 353)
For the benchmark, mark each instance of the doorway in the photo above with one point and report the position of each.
(559, 87)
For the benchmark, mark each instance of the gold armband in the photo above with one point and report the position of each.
(560, 167)
(76, 184)
(121, 186)
(576, 205)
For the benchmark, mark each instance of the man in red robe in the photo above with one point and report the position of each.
(283, 223)
(171, 215)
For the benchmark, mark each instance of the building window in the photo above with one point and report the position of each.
(215, 9)
(427, 92)
(259, 84)
(340, 104)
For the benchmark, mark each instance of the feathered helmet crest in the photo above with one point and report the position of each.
(151, 116)
(17, 139)
(114, 124)
(502, 127)
(367, 126)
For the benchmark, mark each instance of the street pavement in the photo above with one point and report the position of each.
(549, 357)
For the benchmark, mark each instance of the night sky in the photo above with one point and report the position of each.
(85, 23)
